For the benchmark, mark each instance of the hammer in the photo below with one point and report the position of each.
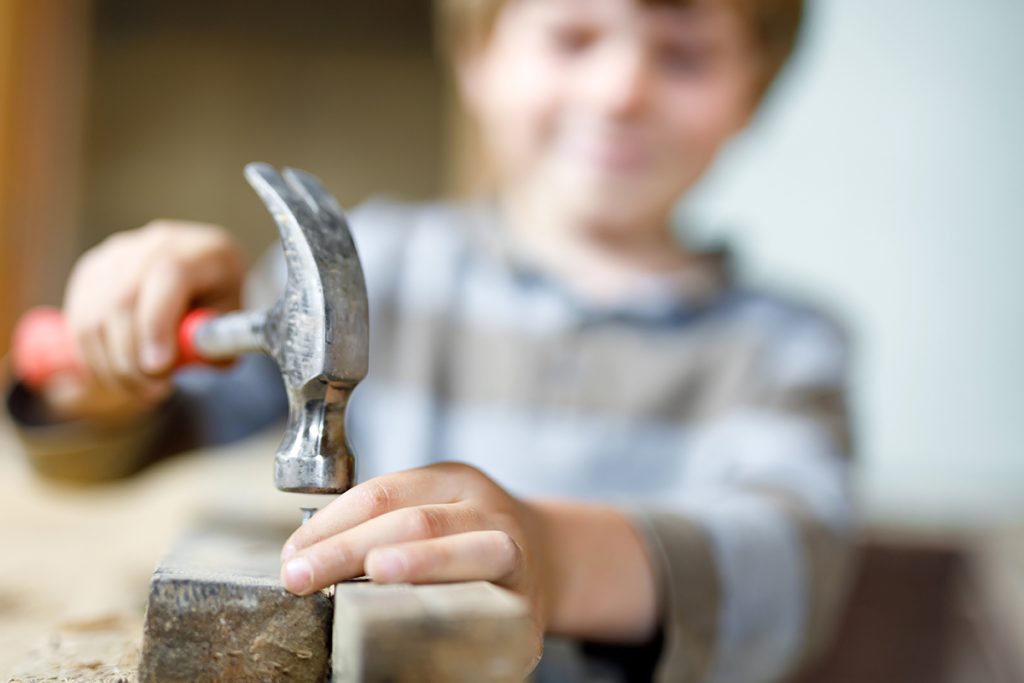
(317, 332)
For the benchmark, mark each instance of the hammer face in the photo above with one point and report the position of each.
(314, 455)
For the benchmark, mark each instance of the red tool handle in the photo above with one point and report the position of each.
(43, 345)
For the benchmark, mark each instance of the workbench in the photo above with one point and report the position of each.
(77, 562)
(79, 559)
(74, 592)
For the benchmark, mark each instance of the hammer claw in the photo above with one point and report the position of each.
(318, 331)
(318, 198)
(278, 195)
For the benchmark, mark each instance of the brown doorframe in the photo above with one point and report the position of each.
(43, 68)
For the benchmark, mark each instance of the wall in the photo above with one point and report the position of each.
(884, 179)
(185, 93)
(43, 55)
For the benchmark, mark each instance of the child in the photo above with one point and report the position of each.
(563, 399)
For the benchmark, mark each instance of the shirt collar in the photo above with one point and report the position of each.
(682, 292)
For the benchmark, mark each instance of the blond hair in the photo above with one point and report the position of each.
(773, 26)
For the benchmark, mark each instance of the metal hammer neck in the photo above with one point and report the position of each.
(315, 455)
(229, 335)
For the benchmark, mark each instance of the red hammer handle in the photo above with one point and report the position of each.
(43, 345)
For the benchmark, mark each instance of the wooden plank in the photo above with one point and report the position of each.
(465, 632)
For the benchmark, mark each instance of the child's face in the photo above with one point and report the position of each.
(606, 109)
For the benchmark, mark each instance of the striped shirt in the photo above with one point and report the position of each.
(713, 414)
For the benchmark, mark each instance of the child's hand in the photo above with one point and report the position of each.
(123, 302)
(445, 522)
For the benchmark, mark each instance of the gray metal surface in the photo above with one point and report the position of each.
(317, 331)
(228, 335)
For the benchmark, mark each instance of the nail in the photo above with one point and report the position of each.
(389, 565)
(298, 575)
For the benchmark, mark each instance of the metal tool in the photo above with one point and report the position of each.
(317, 332)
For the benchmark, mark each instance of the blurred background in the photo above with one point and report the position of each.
(882, 180)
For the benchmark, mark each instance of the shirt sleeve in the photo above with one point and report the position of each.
(754, 559)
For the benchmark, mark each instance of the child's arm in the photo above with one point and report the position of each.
(744, 575)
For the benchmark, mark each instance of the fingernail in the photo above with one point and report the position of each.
(298, 575)
(154, 356)
(388, 565)
(288, 551)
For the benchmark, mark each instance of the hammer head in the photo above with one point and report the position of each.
(317, 331)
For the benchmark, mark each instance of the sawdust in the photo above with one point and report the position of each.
(83, 554)
(104, 649)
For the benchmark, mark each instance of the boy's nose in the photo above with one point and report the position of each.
(619, 84)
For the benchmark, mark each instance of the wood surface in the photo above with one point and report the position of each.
(464, 632)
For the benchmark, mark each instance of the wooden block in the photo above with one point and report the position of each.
(447, 632)
(217, 612)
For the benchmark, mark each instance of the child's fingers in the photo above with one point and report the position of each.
(123, 303)
(489, 555)
(342, 556)
(120, 346)
(93, 351)
(200, 265)
(163, 295)
(373, 498)
(123, 357)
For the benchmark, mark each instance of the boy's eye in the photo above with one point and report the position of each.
(571, 40)
(683, 59)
